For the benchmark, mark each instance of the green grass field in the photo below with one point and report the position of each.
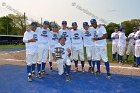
(11, 46)
(130, 61)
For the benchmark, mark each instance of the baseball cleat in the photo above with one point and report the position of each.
(30, 78)
(67, 78)
(98, 73)
(108, 76)
(33, 73)
(51, 69)
(76, 70)
(83, 70)
(39, 75)
(90, 70)
(43, 72)
(135, 65)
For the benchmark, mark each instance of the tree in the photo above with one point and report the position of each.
(110, 28)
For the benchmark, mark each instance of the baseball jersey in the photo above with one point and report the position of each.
(65, 33)
(88, 37)
(113, 35)
(63, 48)
(99, 32)
(131, 41)
(54, 37)
(29, 35)
(76, 37)
(137, 42)
(43, 35)
(122, 39)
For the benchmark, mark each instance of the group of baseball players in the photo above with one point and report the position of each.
(119, 44)
(42, 43)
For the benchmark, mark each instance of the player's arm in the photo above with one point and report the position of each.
(104, 34)
(26, 40)
(69, 52)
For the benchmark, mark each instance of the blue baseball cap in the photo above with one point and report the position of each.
(85, 24)
(122, 28)
(93, 21)
(46, 23)
(74, 23)
(54, 26)
(64, 22)
(34, 24)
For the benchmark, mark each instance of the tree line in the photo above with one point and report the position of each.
(16, 25)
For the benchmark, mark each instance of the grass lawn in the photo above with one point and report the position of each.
(11, 46)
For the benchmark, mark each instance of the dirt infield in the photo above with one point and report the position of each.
(18, 58)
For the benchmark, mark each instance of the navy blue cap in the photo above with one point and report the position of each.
(122, 28)
(64, 22)
(46, 23)
(74, 23)
(34, 24)
(85, 24)
(93, 21)
(54, 26)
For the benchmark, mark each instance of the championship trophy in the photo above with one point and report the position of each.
(58, 53)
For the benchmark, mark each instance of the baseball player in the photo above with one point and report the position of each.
(115, 37)
(77, 46)
(54, 36)
(137, 47)
(121, 44)
(65, 60)
(99, 38)
(30, 38)
(66, 33)
(89, 44)
(43, 46)
(131, 45)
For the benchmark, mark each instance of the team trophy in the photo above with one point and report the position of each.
(58, 53)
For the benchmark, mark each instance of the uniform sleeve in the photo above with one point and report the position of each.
(103, 30)
(25, 37)
(112, 36)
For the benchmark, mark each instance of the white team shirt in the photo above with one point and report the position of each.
(29, 35)
(64, 49)
(54, 37)
(122, 39)
(43, 35)
(131, 41)
(137, 42)
(76, 38)
(88, 37)
(115, 41)
(65, 33)
(99, 32)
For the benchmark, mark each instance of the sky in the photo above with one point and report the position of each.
(58, 10)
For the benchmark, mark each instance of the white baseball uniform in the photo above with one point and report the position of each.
(65, 33)
(43, 44)
(114, 42)
(65, 59)
(88, 43)
(131, 46)
(31, 47)
(100, 45)
(137, 44)
(77, 44)
(54, 37)
(122, 43)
